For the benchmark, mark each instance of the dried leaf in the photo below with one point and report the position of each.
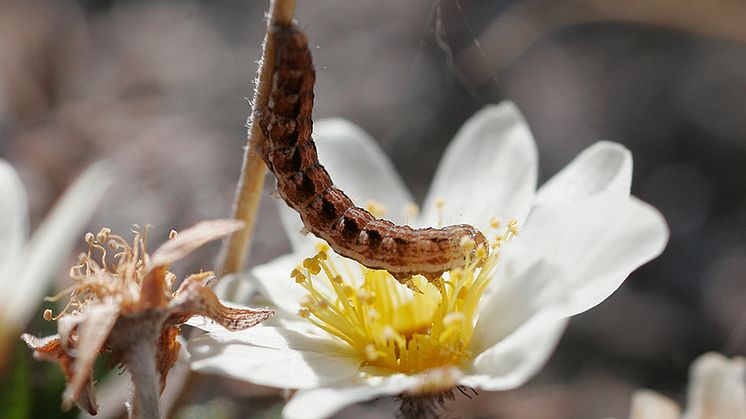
(92, 334)
(52, 349)
(44, 348)
(155, 291)
(194, 299)
(192, 238)
(168, 352)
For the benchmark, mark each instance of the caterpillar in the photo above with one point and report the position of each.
(304, 184)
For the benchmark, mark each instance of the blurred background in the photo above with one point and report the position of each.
(159, 86)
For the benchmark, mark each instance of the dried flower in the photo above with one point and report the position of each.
(121, 302)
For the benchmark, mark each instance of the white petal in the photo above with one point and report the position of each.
(595, 245)
(279, 320)
(359, 167)
(516, 298)
(515, 359)
(51, 243)
(489, 170)
(274, 282)
(239, 286)
(717, 388)
(13, 218)
(604, 167)
(272, 356)
(648, 404)
(324, 402)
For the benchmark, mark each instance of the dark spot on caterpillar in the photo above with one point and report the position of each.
(297, 159)
(328, 212)
(307, 185)
(349, 229)
(325, 210)
(374, 238)
(289, 160)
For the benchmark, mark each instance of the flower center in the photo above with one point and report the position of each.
(112, 268)
(412, 328)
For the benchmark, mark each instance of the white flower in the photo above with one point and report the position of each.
(27, 266)
(717, 390)
(581, 236)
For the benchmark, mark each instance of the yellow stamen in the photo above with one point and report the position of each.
(513, 226)
(298, 275)
(411, 211)
(388, 323)
(439, 204)
(376, 208)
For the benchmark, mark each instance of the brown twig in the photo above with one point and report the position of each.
(251, 181)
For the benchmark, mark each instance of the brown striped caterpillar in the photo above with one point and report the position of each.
(326, 211)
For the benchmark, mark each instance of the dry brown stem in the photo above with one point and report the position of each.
(251, 180)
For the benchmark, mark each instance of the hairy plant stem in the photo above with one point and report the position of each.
(141, 363)
(137, 337)
(251, 180)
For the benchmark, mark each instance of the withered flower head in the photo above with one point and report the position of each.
(122, 302)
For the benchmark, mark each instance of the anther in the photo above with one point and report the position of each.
(322, 247)
(482, 252)
(298, 275)
(376, 208)
(364, 296)
(388, 333)
(304, 313)
(348, 291)
(312, 264)
(439, 204)
(412, 210)
(370, 352)
(513, 226)
(306, 301)
(453, 318)
(467, 243)
(373, 315)
(103, 235)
